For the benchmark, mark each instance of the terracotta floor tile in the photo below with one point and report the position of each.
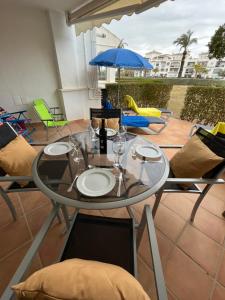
(168, 222)
(140, 205)
(170, 296)
(114, 213)
(13, 236)
(221, 275)
(210, 225)
(5, 214)
(213, 204)
(185, 279)
(200, 248)
(164, 244)
(218, 190)
(146, 278)
(219, 293)
(33, 200)
(179, 204)
(12, 262)
(37, 218)
(52, 245)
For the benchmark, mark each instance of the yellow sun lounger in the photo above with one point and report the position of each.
(219, 128)
(146, 111)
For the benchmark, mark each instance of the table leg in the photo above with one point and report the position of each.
(66, 216)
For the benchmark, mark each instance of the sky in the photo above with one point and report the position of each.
(157, 28)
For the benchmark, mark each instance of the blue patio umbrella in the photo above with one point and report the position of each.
(121, 58)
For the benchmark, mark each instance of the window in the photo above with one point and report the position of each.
(102, 73)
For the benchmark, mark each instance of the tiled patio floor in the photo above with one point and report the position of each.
(193, 255)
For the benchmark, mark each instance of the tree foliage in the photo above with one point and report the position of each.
(200, 69)
(217, 43)
(184, 41)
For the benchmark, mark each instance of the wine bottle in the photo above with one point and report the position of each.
(103, 138)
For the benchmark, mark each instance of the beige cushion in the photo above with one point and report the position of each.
(109, 123)
(78, 279)
(16, 158)
(194, 160)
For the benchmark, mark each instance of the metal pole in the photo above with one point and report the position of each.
(118, 90)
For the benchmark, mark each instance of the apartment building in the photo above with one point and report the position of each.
(168, 65)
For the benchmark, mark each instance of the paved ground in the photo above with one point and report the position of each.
(193, 255)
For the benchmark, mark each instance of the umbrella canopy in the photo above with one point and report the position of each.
(121, 58)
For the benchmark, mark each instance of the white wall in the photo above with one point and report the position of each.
(28, 68)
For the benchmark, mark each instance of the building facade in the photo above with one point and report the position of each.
(105, 40)
(168, 65)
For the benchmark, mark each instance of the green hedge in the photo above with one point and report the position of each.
(204, 104)
(177, 81)
(145, 94)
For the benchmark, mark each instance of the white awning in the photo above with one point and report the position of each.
(95, 13)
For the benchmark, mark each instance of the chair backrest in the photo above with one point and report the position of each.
(7, 134)
(217, 145)
(104, 96)
(105, 113)
(42, 109)
(131, 103)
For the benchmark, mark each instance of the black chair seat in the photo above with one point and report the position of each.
(16, 186)
(108, 240)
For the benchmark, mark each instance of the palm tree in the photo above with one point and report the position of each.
(184, 41)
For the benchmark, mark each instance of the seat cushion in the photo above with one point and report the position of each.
(16, 158)
(77, 279)
(194, 160)
(109, 123)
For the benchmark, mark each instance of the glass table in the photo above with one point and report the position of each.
(139, 178)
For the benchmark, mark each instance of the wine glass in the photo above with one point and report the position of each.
(122, 131)
(75, 146)
(118, 149)
(94, 128)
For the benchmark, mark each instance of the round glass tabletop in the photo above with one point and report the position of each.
(100, 181)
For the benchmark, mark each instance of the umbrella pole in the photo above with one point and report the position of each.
(118, 90)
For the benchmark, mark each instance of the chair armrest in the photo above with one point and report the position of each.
(147, 219)
(54, 108)
(15, 178)
(47, 120)
(171, 146)
(18, 112)
(195, 180)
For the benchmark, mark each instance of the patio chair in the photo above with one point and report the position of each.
(103, 239)
(19, 121)
(7, 135)
(48, 116)
(146, 111)
(174, 185)
(105, 113)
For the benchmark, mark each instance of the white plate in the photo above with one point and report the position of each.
(96, 182)
(110, 132)
(58, 148)
(148, 152)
